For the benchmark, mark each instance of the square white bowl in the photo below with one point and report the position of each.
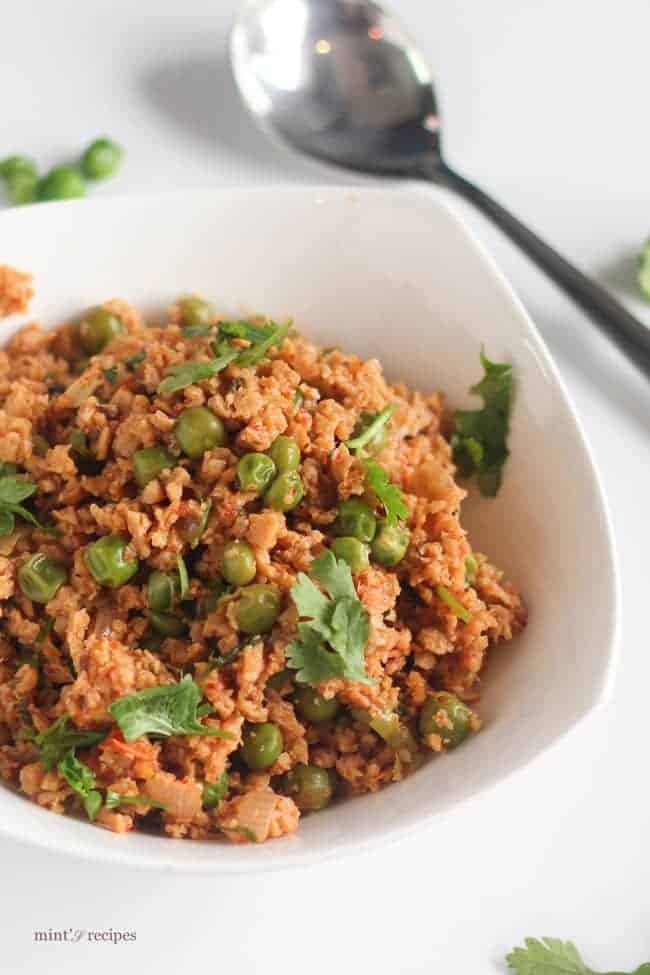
(391, 274)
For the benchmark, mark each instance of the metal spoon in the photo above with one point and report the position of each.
(342, 81)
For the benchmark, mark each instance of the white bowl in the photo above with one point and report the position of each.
(393, 274)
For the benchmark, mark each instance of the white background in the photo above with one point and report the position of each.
(546, 105)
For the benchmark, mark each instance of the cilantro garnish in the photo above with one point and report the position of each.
(183, 578)
(12, 492)
(110, 374)
(479, 438)
(114, 799)
(455, 606)
(134, 360)
(214, 792)
(82, 779)
(333, 632)
(389, 494)
(262, 338)
(373, 428)
(167, 709)
(196, 331)
(56, 741)
(550, 956)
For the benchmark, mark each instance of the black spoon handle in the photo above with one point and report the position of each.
(631, 335)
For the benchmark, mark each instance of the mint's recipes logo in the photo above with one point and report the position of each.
(77, 935)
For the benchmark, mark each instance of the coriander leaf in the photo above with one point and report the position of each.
(167, 709)
(245, 330)
(7, 522)
(644, 271)
(110, 374)
(350, 631)
(455, 606)
(114, 799)
(479, 440)
(18, 509)
(82, 779)
(12, 491)
(334, 574)
(471, 568)
(257, 351)
(196, 534)
(550, 956)
(57, 740)
(373, 428)
(310, 601)
(182, 576)
(389, 494)
(134, 360)
(312, 661)
(214, 792)
(196, 331)
(187, 373)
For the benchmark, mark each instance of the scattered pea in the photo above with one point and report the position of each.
(162, 589)
(390, 544)
(352, 551)
(195, 311)
(259, 607)
(61, 183)
(356, 518)
(285, 454)
(309, 786)
(285, 492)
(444, 714)
(197, 430)
(101, 159)
(98, 327)
(262, 743)
(14, 166)
(168, 624)
(238, 563)
(107, 563)
(149, 462)
(312, 706)
(40, 577)
(255, 472)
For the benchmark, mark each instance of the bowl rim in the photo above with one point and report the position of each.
(83, 847)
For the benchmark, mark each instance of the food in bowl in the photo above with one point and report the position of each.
(234, 582)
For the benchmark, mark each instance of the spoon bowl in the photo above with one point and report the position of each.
(342, 81)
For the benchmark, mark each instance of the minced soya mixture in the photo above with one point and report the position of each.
(233, 581)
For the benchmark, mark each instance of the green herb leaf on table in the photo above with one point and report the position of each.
(167, 709)
(214, 792)
(57, 740)
(373, 428)
(454, 605)
(479, 440)
(114, 799)
(110, 374)
(551, 956)
(183, 577)
(389, 494)
(134, 360)
(82, 779)
(339, 621)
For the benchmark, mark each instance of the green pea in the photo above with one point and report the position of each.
(168, 624)
(98, 327)
(149, 462)
(14, 166)
(312, 706)
(197, 430)
(61, 183)
(445, 715)
(41, 577)
(259, 607)
(255, 472)
(101, 159)
(352, 551)
(207, 603)
(195, 311)
(285, 454)
(356, 518)
(107, 563)
(310, 787)
(261, 745)
(285, 492)
(389, 545)
(162, 589)
(281, 681)
(214, 792)
(21, 189)
(238, 563)
(377, 443)
(40, 446)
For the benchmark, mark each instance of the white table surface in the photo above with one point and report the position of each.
(546, 105)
